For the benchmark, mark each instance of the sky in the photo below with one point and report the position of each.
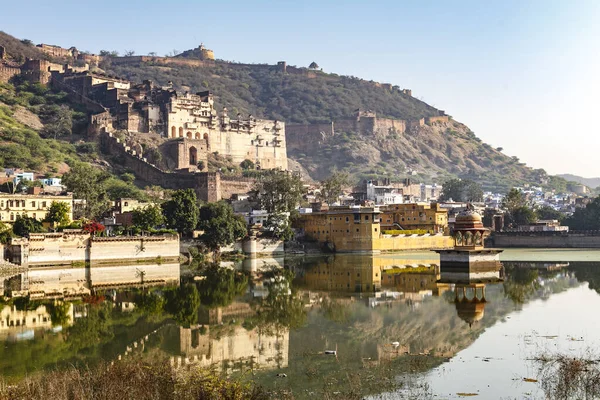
(523, 75)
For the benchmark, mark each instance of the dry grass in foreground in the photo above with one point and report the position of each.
(130, 379)
(567, 377)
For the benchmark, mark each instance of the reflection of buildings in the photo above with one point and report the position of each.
(344, 274)
(217, 343)
(234, 348)
(75, 282)
(21, 324)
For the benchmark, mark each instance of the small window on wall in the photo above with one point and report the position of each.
(366, 217)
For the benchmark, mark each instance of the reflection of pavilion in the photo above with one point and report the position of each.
(470, 301)
(469, 266)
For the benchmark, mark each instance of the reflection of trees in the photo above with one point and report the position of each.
(59, 312)
(281, 308)
(588, 272)
(220, 286)
(521, 283)
(183, 304)
(335, 311)
(93, 329)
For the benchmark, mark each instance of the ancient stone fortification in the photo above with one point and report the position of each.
(209, 186)
(365, 123)
(72, 248)
(547, 239)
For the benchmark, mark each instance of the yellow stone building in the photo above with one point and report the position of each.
(411, 216)
(359, 229)
(30, 205)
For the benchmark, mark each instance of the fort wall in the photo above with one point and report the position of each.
(106, 249)
(547, 240)
(8, 72)
(209, 186)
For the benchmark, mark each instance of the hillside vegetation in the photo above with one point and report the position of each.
(428, 154)
(433, 153)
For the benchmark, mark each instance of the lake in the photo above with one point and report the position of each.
(341, 326)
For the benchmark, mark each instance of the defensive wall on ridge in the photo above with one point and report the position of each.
(209, 186)
(298, 136)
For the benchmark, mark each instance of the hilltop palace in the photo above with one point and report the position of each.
(190, 121)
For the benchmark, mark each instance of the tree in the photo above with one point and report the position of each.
(129, 53)
(94, 227)
(280, 227)
(587, 218)
(148, 218)
(221, 225)
(5, 232)
(514, 199)
(331, 188)
(247, 164)
(547, 212)
(23, 226)
(58, 213)
(517, 210)
(278, 191)
(87, 184)
(523, 216)
(461, 190)
(181, 212)
(58, 121)
(221, 285)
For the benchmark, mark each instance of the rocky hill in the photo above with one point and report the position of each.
(592, 183)
(430, 152)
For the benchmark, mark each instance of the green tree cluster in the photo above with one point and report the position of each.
(461, 190)
(587, 218)
(331, 188)
(58, 213)
(518, 212)
(220, 225)
(278, 191)
(148, 218)
(181, 211)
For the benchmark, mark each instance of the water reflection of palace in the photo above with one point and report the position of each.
(76, 282)
(35, 292)
(217, 342)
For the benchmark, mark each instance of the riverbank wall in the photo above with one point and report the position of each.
(549, 240)
(78, 249)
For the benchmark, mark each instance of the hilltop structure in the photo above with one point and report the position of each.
(189, 121)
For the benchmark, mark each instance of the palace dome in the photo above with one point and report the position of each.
(468, 219)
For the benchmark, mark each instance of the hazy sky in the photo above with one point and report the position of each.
(522, 75)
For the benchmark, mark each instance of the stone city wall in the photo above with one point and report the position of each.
(8, 72)
(58, 248)
(46, 249)
(435, 120)
(547, 240)
(113, 249)
(209, 186)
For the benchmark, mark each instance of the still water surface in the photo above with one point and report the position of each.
(393, 329)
